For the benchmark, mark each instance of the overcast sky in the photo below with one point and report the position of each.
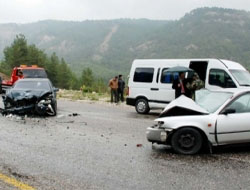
(23, 11)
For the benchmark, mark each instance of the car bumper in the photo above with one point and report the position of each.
(157, 135)
(130, 101)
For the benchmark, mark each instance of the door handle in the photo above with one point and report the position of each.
(154, 89)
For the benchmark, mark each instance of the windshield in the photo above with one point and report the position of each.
(34, 73)
(211, 101)
(32, 85)
(242, 77)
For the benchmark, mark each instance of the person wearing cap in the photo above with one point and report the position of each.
(196, 84)
(113, 84)
(121, 87)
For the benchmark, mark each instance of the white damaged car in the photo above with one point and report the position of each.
(215, 118)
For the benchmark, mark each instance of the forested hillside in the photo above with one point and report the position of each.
(108, 47)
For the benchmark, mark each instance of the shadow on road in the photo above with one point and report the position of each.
(233, 152)
(151, 115)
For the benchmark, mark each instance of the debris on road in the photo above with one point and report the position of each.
(74, 114)
(139, 145)
(65, 121)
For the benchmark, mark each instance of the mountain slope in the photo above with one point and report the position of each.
(109, 47)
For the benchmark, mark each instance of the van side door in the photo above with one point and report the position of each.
(165, 81)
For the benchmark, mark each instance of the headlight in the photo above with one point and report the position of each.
(160, 124)
(49, 97)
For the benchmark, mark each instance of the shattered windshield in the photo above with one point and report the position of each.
(211, 101)
(32, 85)
(242, 77)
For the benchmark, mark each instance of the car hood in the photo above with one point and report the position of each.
(19, 94)
(183, 106)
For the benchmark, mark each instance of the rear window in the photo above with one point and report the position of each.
(144, 75)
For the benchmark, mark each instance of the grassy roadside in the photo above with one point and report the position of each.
(79, 95)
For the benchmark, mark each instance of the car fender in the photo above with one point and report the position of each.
(204, 123)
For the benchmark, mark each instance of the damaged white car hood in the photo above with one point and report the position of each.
(186, 103)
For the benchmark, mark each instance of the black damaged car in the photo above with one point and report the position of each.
(31, 96)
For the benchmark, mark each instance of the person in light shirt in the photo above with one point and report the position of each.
(113, 84)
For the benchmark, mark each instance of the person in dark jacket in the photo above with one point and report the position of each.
(1, 85)
(179, 85)
(121, 87)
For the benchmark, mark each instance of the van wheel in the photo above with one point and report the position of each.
(186, 141)
(141, 106)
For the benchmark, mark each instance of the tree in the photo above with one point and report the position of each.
(87, 78)
(51, 68)
(63, 75)
(20, 53)
(17, 53)
(36, 56)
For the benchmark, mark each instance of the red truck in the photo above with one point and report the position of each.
(24, 71)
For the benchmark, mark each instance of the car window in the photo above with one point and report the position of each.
(241, 104)
(168, 76)
(220, 78)
(144, 75)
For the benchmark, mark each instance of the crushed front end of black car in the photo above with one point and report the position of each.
(29, 102)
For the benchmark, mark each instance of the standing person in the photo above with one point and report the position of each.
(179, 85)
(113, 84)
(0, 85)
(121, 87)
(196, 84)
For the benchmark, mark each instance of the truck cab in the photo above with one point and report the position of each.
(24, 71)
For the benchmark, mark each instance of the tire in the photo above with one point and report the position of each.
(141, 106)
(187, 141)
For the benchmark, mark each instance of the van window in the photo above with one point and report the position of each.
(144, 75)
(220, 78)
(167, 76)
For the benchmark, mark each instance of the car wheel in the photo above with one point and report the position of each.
(141, 106)
(54, 106)
(186, 141)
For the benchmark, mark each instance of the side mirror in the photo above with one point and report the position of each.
(56, 89)
(228, 111)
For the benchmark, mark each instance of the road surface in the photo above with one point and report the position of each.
(104, 147)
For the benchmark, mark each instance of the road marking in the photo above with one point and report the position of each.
(15, 183)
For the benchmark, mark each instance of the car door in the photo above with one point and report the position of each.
(166, 93)
(235, 127)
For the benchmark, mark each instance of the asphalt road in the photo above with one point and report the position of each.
(97, 149)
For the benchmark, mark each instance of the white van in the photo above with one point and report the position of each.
(150, 84)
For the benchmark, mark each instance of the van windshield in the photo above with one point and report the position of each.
(242, 77)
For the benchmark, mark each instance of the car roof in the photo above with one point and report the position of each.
(31, 68)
